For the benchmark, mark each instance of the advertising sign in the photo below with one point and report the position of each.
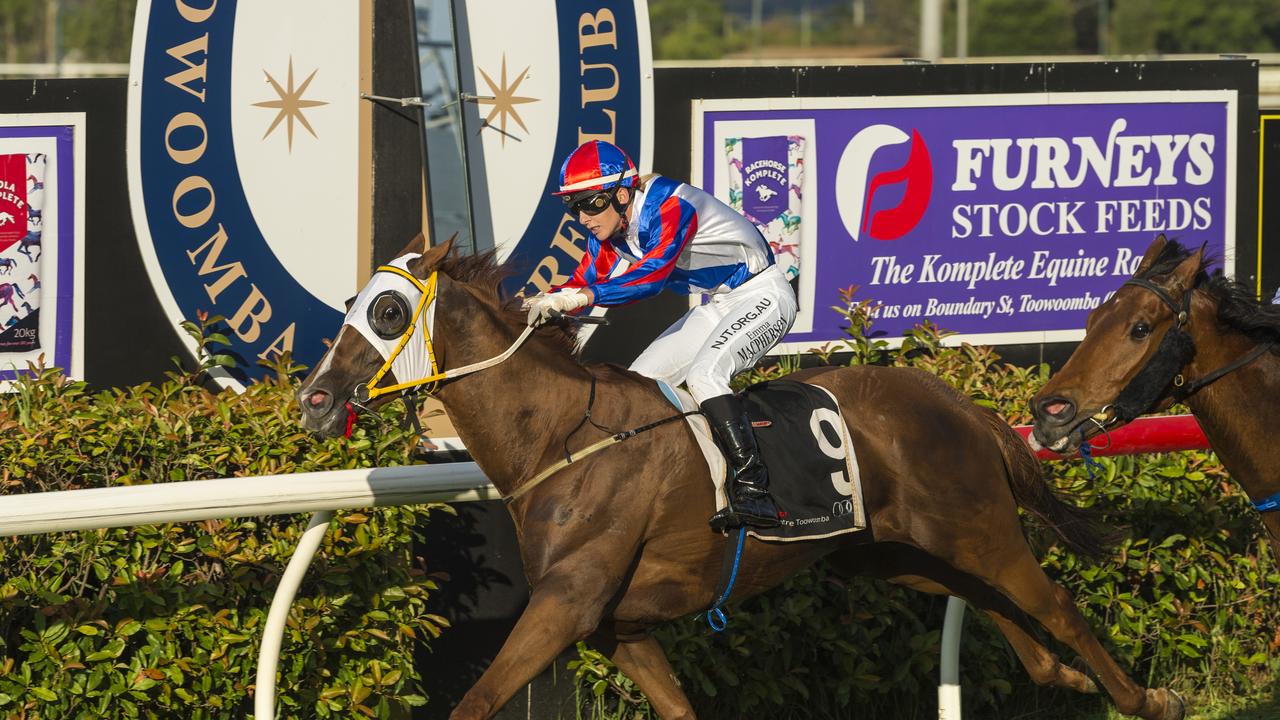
(540, 78)
(1004, 218)
(41, 243)
(243, 147)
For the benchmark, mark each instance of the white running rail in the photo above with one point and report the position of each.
(320, 493)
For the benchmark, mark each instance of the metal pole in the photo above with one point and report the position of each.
(429, 222)
(1104, 24)
(949, 667)
(53, 35)
(264, 698)
(806, 26)
(962, 29)
(930, 29)
(757, 18)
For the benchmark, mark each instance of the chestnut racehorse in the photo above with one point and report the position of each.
(618, 542)
(1170, 333)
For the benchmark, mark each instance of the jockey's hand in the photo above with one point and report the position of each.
(541, 306)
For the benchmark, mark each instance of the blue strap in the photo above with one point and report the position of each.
(1086, 452)
(1268, 504)
(716, 617)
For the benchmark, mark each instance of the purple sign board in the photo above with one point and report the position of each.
(1004, 218)
(41, 266)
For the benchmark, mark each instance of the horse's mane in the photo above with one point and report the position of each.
(1238, 306)
(482, 272)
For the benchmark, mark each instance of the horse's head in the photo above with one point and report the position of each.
(1135, 348)
(372, 352)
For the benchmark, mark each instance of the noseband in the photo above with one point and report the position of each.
(1165, 367)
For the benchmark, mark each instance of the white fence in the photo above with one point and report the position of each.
(321, 493)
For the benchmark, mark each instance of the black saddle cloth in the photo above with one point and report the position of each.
(812, 467)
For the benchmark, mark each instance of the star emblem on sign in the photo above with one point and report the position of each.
(504, 101)
(290, 104)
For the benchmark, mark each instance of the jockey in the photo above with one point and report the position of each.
(674, 236)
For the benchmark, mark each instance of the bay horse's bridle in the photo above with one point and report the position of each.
(422, 360)
(1165, 367)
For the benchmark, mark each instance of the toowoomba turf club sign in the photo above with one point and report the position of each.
(243, 167)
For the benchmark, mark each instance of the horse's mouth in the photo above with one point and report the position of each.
(1065, 439)
(331, 424)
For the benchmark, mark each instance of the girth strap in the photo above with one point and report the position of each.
(1271, 503)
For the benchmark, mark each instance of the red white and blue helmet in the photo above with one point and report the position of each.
(596, 165)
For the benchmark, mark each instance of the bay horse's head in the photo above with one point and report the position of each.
(385, 340)
(425, 319)
(1132, 357)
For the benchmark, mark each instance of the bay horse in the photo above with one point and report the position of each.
(31, 240)
(618, 542)
(1173, 332)
(7, 292)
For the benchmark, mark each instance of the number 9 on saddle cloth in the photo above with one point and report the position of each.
(22, 201)
(804, 441)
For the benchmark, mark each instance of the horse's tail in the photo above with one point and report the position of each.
(1081, 529)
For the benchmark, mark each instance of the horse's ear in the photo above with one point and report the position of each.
(420, 266)
(418, 246)
(1185, 274)
(1153, 252)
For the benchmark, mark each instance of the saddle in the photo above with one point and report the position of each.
(805, 443)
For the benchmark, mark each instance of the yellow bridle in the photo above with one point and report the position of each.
(370, 390)
(428, 289)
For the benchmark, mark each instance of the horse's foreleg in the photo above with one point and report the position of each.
(643, 661)
(1024, 582)
(561, 611)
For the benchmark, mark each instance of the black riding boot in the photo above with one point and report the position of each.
(749, 500)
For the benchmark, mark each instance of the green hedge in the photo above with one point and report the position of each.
(1191, 600)
(165, 621)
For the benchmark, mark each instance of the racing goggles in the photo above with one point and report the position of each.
(591, 202)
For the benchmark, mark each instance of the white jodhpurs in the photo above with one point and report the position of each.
(719, 339)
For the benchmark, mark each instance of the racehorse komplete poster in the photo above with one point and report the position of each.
(1004, 218)
(22, 207)
(41, 231)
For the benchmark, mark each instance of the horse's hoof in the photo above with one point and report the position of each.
(1174, 707)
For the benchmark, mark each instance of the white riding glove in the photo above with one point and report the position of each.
(541, 306)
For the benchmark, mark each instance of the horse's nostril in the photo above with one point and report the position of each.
(317, 401)
(1057, 408)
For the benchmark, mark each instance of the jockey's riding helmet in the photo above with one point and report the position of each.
(596, 165)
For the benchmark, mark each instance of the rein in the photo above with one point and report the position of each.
(363, 393)
(369, 391)
(570, 458)
(366, 392)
